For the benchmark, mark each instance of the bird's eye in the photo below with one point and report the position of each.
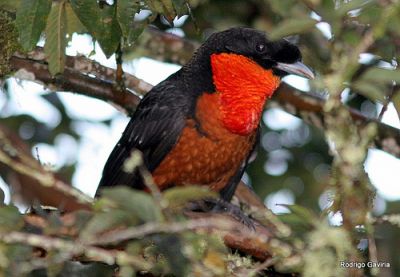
(260, 47)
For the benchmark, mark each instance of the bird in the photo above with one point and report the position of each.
(201, 124)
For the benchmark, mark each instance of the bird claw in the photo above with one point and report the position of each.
(221, 206)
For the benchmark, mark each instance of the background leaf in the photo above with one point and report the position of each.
(10, 6)
(138, 202)
(10, 218)
(101, 23)
(74, 25)
(31, 20)
(126, 10)
(104, 221)
(56, 37)
(178, 196)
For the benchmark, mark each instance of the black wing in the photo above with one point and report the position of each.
(154, 129)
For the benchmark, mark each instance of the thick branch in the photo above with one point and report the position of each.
(74, 81)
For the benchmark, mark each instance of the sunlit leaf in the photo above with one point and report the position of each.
(56, 38)
(292, 26)
(105, 221)
(31, 20)
(179, 196)
(138, 202)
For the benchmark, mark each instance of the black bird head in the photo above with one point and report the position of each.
(281, 56)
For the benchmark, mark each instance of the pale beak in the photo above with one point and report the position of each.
(297, 68)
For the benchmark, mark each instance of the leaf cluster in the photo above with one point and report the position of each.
(112, 25)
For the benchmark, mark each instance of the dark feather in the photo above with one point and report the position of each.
(154, 129)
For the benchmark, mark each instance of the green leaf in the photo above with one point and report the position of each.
(105, 221)
(307, 216)
(31, 20)
(292, 26)
(344, 8)
(372, 90)
(178, 196)
(102, 23)
(126, 10)
(382, 75)
(375, 81)
(11, 6)
(138, 202)
(74, 25)
(10, 219)
(136, 31)
(56, 38)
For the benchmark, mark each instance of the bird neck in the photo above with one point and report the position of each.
(243, 86)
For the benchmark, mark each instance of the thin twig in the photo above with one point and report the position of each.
(386, 104)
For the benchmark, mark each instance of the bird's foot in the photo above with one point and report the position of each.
(221, 206)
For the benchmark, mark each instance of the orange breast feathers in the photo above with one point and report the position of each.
(209, 157)
(244, 86)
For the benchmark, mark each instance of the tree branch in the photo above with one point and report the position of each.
(30, 180)
(76, 79)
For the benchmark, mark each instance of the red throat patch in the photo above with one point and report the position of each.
(243, 86)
